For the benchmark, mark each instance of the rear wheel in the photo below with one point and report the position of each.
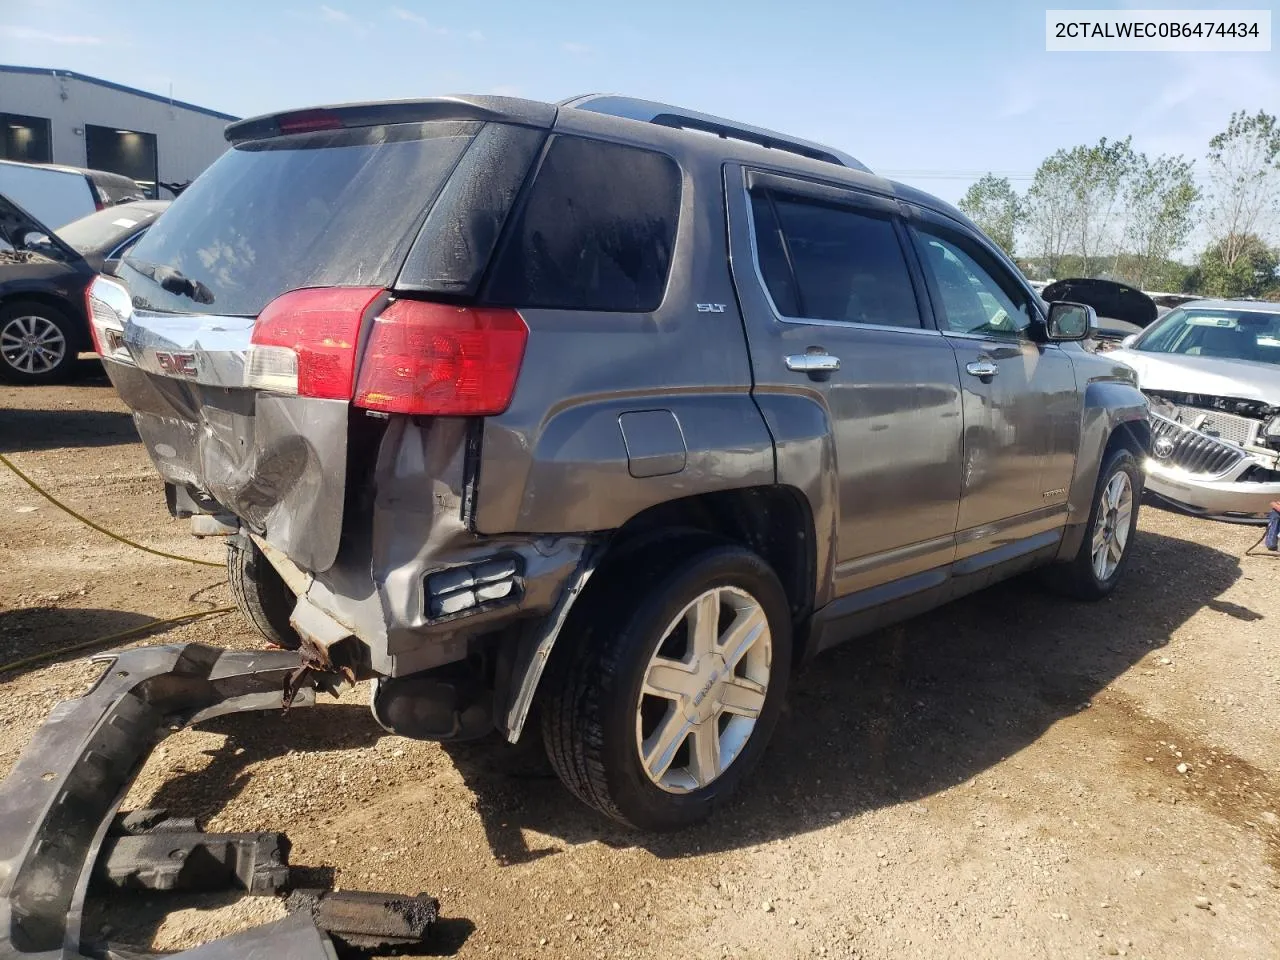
(261, 594)
(38, 343)
(672, 690)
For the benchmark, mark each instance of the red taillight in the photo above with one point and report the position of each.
(305, 121)
(436, 359)
(305, 342)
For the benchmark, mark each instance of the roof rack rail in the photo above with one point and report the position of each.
(663, 114)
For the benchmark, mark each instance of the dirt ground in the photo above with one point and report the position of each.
(999, 779)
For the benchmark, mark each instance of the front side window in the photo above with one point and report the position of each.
(1226, 334)
(973, 300)
(823, 262)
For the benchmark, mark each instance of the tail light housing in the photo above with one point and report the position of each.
(420, 358)
(441, 360)
(108, 306)
(305, 341)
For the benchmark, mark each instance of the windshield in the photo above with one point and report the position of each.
(332, 208)
(1227, 334)
(101, 231)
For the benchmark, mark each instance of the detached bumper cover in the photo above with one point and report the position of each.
(57, 804)
(1226, 498)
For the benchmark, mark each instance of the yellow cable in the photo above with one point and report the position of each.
(123, 635)
(89, 523)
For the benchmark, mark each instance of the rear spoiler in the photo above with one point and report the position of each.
(529, 113)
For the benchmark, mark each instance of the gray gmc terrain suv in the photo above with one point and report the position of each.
(607, 414)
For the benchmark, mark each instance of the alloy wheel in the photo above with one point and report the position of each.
(32, 344)
(1111, 529)
(704, 689)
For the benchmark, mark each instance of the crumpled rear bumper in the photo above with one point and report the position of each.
(57, 803)
(1218, 499)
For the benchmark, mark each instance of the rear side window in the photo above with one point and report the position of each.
(825, 262)
(596, 232)
(331, 208)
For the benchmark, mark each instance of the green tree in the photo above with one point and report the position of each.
(1048, 213)
(995, 206)
(1160, 198)
(1244, 173)
(1252, 272)
(1071, 206)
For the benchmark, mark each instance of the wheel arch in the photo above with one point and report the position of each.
(1114, 417)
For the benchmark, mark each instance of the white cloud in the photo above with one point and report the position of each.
(400, 13)
(475, 35)
(577, 48)
(506, 90)
(334, 16)
(43, 36)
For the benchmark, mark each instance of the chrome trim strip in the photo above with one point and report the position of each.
(216, 345)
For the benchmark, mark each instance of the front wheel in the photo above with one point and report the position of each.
(672, 689)
(1109, 534)
(37, 343)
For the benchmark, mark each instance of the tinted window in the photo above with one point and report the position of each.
(973, 300)
(332, 208)
(846, 265)
(596, 232)
(772, 256)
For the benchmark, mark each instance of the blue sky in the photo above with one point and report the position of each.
(931, 93)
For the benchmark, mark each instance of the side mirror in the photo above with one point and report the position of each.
(1069, 321)
(1129, 341)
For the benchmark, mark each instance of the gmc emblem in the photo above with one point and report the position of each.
(177, 364)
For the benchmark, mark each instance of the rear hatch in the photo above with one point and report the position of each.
(317, 273)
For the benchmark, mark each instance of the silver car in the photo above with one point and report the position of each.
(1211, 372)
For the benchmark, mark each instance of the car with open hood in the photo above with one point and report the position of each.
(43, 277)
(1211, 372)
(1122, 310)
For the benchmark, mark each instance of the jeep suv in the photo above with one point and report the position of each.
(606, 413)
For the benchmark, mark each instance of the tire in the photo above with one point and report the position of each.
(261, 594)
(39, 343)
(1083, 577)
(598, 714)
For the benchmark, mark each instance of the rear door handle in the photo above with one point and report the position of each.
(983, 369)
(819, 366)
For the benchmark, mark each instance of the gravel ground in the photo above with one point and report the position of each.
(1013, 776)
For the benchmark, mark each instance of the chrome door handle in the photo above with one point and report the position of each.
(983, 369)
(816, 365)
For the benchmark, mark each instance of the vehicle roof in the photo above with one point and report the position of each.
(63, 168)
(658, 134)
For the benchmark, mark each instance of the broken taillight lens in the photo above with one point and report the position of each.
(304, 342)
(440, 359)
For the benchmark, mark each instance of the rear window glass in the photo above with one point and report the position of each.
(332, 208)
(596, 233)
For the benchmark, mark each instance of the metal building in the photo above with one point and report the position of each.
(56, 116)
